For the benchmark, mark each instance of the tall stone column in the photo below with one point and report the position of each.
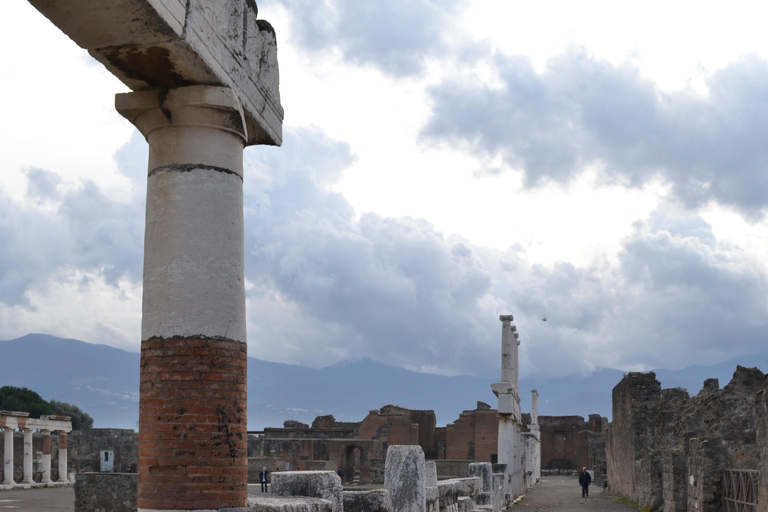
(63, 476)
(8, 456)
(536, 434)
(28, 449)
(509, 444)
(192, 410)
(46, 478)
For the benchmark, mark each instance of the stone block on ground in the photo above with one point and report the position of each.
(483, 471)
(405, 478)
(376, 500)
(302, 504)
(325, 485)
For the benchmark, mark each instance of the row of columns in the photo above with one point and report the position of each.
(8, 452)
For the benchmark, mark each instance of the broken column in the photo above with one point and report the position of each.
(205, 82)
(509, 408)
(536, 432)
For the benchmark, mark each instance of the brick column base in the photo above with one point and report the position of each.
(193, 425)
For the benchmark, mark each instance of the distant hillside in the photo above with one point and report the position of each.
(104, 381)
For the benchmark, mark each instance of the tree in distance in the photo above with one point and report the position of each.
(23, 400)
(81, 420)
(26, 400)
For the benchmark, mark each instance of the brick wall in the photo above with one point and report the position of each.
(192, 424)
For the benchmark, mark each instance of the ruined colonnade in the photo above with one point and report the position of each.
(11, 421)
(520, 452)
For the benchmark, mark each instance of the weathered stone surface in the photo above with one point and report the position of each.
(631, 438)
(737, 418)
(105, 492)
(460, 487)
(263, 504)
(675, 480)
(706, 461)
(325, 485)
(376, 500)
(405, 478)
(761, 431)
(483, 471)
(165, 44)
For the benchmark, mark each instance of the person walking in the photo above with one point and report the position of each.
(263, 479)
(584, 480)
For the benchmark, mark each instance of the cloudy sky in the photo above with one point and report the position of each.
(600, 164)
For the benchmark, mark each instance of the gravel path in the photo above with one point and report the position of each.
(563, 494)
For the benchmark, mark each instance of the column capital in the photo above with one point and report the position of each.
(534, 392)
(195, 105)
(506, 318)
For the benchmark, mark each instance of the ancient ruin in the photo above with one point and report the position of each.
(10, 422)
(666, 449)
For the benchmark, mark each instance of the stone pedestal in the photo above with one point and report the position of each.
(405, 478)
(192, 411)
(325, 485)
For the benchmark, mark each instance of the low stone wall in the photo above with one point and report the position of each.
(325, 485)
(261, 504)
(453, 468)
(106, 492)
(376, 500)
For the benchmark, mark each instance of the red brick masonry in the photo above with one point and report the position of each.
(192, 424)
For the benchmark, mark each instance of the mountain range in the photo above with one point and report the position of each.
(104, 381)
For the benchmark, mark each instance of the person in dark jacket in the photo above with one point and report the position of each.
(584, 480)
(263, 479)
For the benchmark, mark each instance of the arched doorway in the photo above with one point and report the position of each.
(352, 462)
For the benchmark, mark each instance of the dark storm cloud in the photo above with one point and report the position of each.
(584, 111)
(395, 35)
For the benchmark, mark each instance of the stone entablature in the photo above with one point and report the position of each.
(10, 421)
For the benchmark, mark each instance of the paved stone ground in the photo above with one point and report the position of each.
(555, 493)
(563, 494)
(60, 499)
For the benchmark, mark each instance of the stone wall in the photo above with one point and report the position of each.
(84, 447)
(631, 436)
(106, 492)
(666, 449)
(565, 440)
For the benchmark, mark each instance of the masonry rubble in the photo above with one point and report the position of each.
(666, 449)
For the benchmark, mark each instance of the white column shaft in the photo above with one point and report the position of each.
(63, 441)
(46, 472)
(8, 457)
(27, 457)
(194, 244)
